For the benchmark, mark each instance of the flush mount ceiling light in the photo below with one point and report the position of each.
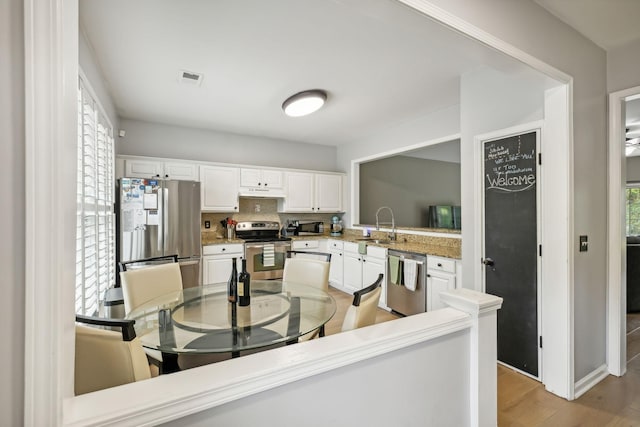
(304, 103)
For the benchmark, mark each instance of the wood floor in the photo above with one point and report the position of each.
(614, 401)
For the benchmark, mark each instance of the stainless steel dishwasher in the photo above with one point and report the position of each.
(399, 298)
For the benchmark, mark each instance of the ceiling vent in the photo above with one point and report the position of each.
(190, 78)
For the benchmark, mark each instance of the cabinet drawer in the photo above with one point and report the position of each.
(301, 245)
(236, 248)
(441, 264)
(336, 245)
(372, 251)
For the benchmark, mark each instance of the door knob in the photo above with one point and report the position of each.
(489, 262)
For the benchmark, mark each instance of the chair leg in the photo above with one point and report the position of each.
(169, 363)
(322, 330)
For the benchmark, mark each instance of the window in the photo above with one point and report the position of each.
(95, 218)
(633, 210)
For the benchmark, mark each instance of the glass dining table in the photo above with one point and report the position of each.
(200, 320)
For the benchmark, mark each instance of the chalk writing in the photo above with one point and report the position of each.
(510, 167)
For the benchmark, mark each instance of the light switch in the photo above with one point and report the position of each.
(584, 243)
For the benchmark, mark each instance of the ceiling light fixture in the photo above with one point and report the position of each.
(304, 103)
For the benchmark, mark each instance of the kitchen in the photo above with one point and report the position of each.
(141, 141)
(416, 120)
(582, 133)
(226, 235)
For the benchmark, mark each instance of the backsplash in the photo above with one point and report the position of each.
(256, 210)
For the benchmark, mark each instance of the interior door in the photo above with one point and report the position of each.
(511, 245)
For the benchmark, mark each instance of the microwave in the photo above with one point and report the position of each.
(307, 228)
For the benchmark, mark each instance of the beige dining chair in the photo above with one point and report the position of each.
(146, 283)
(362, 311)
(311, 269)
(107, 358)
(308, 268)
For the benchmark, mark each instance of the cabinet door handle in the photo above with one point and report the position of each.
(259, 184)
(428, 275)
(265, 184)
(166, 175)
(439, 264)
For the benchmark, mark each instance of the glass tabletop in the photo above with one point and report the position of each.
(201, 320)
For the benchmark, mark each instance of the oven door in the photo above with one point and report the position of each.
(265, 260)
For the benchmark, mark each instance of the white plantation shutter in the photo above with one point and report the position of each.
(95, 218)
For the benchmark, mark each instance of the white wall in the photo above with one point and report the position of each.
(159, 140)
(411, 389)
(436, 125)
(12, 223)
(623, 63)
(91, 68)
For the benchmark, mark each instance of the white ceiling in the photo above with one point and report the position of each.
(381, 63)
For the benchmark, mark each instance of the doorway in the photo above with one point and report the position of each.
(616, 254)
(511, 250)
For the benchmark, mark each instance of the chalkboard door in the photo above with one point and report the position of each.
(511, 245)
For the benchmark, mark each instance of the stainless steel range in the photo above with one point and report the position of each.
(264, 249)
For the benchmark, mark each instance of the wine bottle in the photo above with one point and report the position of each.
(232, 284)
(244, 288)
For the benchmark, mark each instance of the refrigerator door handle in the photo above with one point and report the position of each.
(164, 219)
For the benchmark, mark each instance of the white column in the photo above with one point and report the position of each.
(483, 382)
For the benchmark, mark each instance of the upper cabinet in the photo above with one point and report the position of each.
(135, 168)
(312, 192)
(261, 182)
(219, 187)
(328, 192)
(260, 178)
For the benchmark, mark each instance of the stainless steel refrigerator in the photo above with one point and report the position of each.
(159, 218)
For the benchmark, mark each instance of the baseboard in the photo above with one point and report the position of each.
(586, 383)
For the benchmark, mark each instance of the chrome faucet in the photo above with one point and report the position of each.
(392, 236)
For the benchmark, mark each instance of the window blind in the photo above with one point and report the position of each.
(95, 218)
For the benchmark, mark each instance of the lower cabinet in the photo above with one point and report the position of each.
(441, 276)
(361, 270)
(336, 272)
(216, 261)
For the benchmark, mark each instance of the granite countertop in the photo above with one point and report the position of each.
(436, 246)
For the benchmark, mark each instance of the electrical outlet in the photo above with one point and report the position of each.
(584, 243)
(207, 224)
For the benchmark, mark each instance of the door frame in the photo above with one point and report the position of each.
(616, 250)
(479, 142)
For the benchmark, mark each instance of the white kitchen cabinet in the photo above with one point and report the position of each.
(441, 276)
(216, 262)
(267, 178)
(299, 193)
(311, 245)
(135, 168)
(361, 270)
(219, 188)
(312, 192)
(336, 271)
(328, 193)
